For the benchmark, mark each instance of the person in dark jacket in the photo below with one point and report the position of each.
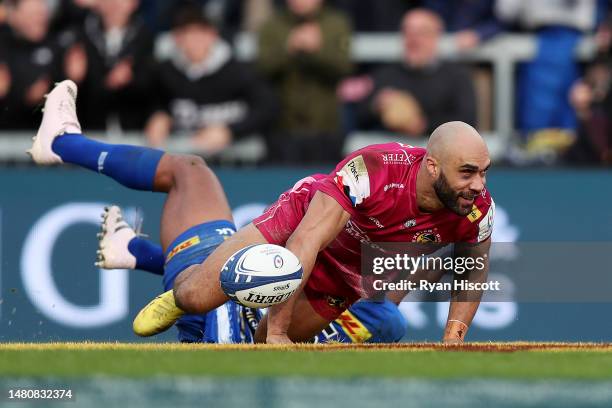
(419, 94)
(113, 66)
(304, 52)
(591, 97)
(30, 60)
(204, 93)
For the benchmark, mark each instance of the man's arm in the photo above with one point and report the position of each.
(323, 221)
(464, 304)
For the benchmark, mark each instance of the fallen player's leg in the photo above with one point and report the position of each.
(187, 219)
(121, 248)
(364, 322)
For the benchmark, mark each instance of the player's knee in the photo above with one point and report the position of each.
(178, 168)
(187, 166)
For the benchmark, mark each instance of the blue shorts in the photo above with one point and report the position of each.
(230, 322)
(193, 246)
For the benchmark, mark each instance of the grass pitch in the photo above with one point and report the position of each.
(563, 361)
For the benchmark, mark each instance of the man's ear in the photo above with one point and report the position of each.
(432, 167)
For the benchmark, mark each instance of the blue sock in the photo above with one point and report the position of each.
(149, 256)
(132, 166)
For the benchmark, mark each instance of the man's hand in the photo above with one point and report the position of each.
(36, 92)
(466, 40)
(581, 96)
(323, 221)
(400, 112)
(158, 128)
(213, 139)
(120, 76)
(464, 305)
(455, 332)
(305, 38)
(75, 63)
(5, 80)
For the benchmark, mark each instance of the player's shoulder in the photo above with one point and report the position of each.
(367, 171)
(378, 162)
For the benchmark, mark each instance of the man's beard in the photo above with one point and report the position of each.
(449, 197)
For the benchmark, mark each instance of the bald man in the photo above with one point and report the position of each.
(382, 193)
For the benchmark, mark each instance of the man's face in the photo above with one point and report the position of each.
(458, 185)
(116, 13)
(304, 8)
(195, 41)
(30, 18)
(421, 33)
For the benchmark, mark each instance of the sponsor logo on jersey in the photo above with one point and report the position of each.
(410, 223)
(398, 158)
(485, 227)
(376, 222)
(353, 328)
(357, 233)
(474, 214)
(183, 246)
(393, 185)
(354, 181)
(427, 236)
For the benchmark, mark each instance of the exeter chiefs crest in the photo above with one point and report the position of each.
(426, 237)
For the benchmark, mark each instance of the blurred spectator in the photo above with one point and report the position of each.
(376, 16)
(113, 66)
(256, 13)
(204, 92)
(2, 13)
(591, 96)
(70, 14)
(470, 21)
(544, 83)
(304, 51)
(29, 63)
(416, 96)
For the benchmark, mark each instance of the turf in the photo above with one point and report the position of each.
(483, 360)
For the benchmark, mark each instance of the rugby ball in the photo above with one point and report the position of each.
(261, 275)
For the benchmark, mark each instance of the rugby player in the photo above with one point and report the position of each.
(121, 247)
(382, 193)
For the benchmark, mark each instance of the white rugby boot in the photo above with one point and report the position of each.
(113, 243)
(59, 117)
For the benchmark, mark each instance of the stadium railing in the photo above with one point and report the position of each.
(503, 53)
